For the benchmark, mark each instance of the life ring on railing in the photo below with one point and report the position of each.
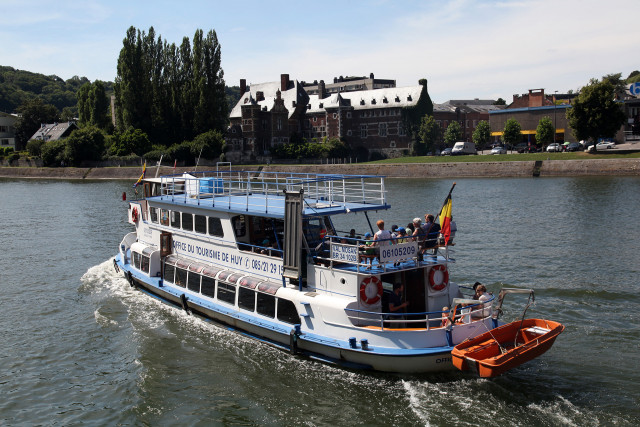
(134, 214)
(371, 290)
(438, 277)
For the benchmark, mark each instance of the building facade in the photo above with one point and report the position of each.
(7, 131)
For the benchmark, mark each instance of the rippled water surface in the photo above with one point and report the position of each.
(79, 346)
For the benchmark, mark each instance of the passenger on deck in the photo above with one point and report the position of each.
(402, 235)
(418, 233)
(394, 232)
(382, 236)
(395, 299)
(367, 250)
(482, 310)
(431, 231)
(446, 321)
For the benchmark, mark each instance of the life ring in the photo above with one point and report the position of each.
(367, 288)
(134, 214)
(438, 277)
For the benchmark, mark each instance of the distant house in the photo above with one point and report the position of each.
(7, 131)
(54, 131)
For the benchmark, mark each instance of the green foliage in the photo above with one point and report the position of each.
(33, 113)
(512, 132)
(132, 141)
(428, 136)
(93, 105)
(634, 77)
(17, 87)
(171, 93)
(500, 101)
(13, 157)
(595, 114)
(34, 147)
(304, 150)
(209, 144)
(182, 153)
(482, 134)
(53, 152)
(545, 132)
(84, 144)
(453, 133)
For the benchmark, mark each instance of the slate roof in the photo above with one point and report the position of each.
(368, 99)
(294, 93)
(54, 131)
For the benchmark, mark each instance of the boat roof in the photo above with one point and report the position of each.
(263, 193)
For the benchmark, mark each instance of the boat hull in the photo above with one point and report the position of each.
(492, 353)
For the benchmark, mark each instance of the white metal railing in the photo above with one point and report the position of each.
(254, 189)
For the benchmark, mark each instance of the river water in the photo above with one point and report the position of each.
(80, 347)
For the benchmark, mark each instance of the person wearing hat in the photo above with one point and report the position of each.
(368, 251)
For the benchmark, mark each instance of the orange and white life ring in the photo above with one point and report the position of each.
(134, 214)
(371, 290)
(438, 277)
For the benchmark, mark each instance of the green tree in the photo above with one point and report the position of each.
(545, 132)
(93, 105)
(500, 101)
(595, 113)
(33, 113)
(412, 116)
(482, 134)
(453, 133)
(512, 132)
(429, 135)
(84, 144)
(53, 152)
(209, 144)
(634, 77)
(34, 147)
(132, 141)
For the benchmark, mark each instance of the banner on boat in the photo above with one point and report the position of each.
(344, 253)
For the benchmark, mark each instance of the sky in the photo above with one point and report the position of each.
(466, 49)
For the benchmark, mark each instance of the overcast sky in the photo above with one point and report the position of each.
(465, 49)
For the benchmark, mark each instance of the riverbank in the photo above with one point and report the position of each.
(587, 167)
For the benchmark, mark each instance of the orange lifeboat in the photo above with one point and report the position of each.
(505, 347)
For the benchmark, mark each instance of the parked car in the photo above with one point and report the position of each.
(605, 145)
(528, 149)
(499, 150)
(574, 146)
(554, 147)
(446, 152)
(463, 148)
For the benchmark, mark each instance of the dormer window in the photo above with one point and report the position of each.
(409, 98)
(362, 102)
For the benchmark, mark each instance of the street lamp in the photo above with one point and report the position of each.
(555, 124)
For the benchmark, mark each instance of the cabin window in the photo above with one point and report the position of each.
(208, 286)
(239, 225)
(187, 221)
(266, 305)
(246, 299)
(136, 259)
(193, 282)
(287, 312)
(215, 227)
(144, 263)
(169, 271)
(181, 277)
(227, 292)
(175, 219)
(164, 217)
(201, 224)
(153, 214)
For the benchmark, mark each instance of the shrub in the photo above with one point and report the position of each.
(12, 157)
(34, 147)
(53, 153)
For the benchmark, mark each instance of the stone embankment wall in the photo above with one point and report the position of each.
(405, 170)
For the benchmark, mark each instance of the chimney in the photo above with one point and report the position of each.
(322, 93)
(284, 82)
(243, 86)
(259, 96)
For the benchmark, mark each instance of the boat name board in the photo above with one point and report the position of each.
(398, 252)
(241, 262)
(344, 253)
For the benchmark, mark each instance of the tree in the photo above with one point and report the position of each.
(132, 141)
(412, 116)
(595, 114)
(500, 101)
(93, 105)
(429, 134)
(482, 134)
(511, 134)
(453, 133)
(209, 144)
(84, 144)
(33, 113)
(545, 132)
(634, 77)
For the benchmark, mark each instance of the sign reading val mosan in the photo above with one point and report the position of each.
(253, 264)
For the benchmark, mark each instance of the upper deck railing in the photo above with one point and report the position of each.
(256, 190)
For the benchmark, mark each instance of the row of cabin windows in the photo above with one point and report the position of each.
(140, 262)
(248, 299)
(186, 221)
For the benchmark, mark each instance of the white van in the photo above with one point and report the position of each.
(464, 148)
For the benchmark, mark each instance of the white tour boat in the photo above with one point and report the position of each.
(259, 252)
